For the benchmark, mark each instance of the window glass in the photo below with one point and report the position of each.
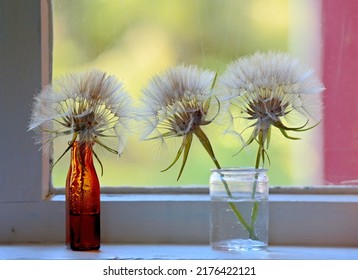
(135, 39)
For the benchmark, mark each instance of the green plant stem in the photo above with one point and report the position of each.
(233, 206)
(206, 144)
(254, 211)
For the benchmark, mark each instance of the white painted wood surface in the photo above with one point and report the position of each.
(306, 220)
(172, 252)
(20, 78)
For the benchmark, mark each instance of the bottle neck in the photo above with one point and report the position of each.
(81, 154)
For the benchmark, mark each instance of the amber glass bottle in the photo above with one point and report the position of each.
(82, 200)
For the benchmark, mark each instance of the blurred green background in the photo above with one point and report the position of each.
(136, 39)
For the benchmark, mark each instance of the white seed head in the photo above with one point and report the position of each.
(91, 105)
(265, 87)
(177, 101)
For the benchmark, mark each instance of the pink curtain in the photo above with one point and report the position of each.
(340, 66)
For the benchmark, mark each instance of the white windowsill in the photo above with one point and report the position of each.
(170, 252)
(312, 220)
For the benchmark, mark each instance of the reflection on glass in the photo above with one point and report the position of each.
(135, 40)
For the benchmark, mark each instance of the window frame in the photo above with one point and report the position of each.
(30, 212)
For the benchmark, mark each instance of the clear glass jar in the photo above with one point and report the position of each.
(239, 209)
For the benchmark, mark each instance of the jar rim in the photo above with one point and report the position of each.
(239, 169)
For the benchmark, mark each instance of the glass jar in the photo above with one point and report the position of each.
(239, 209)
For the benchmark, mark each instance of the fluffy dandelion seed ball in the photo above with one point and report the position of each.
(266, 88)
(84, 107)
(177, 103)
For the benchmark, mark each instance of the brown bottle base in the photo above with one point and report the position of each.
(84, 232)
